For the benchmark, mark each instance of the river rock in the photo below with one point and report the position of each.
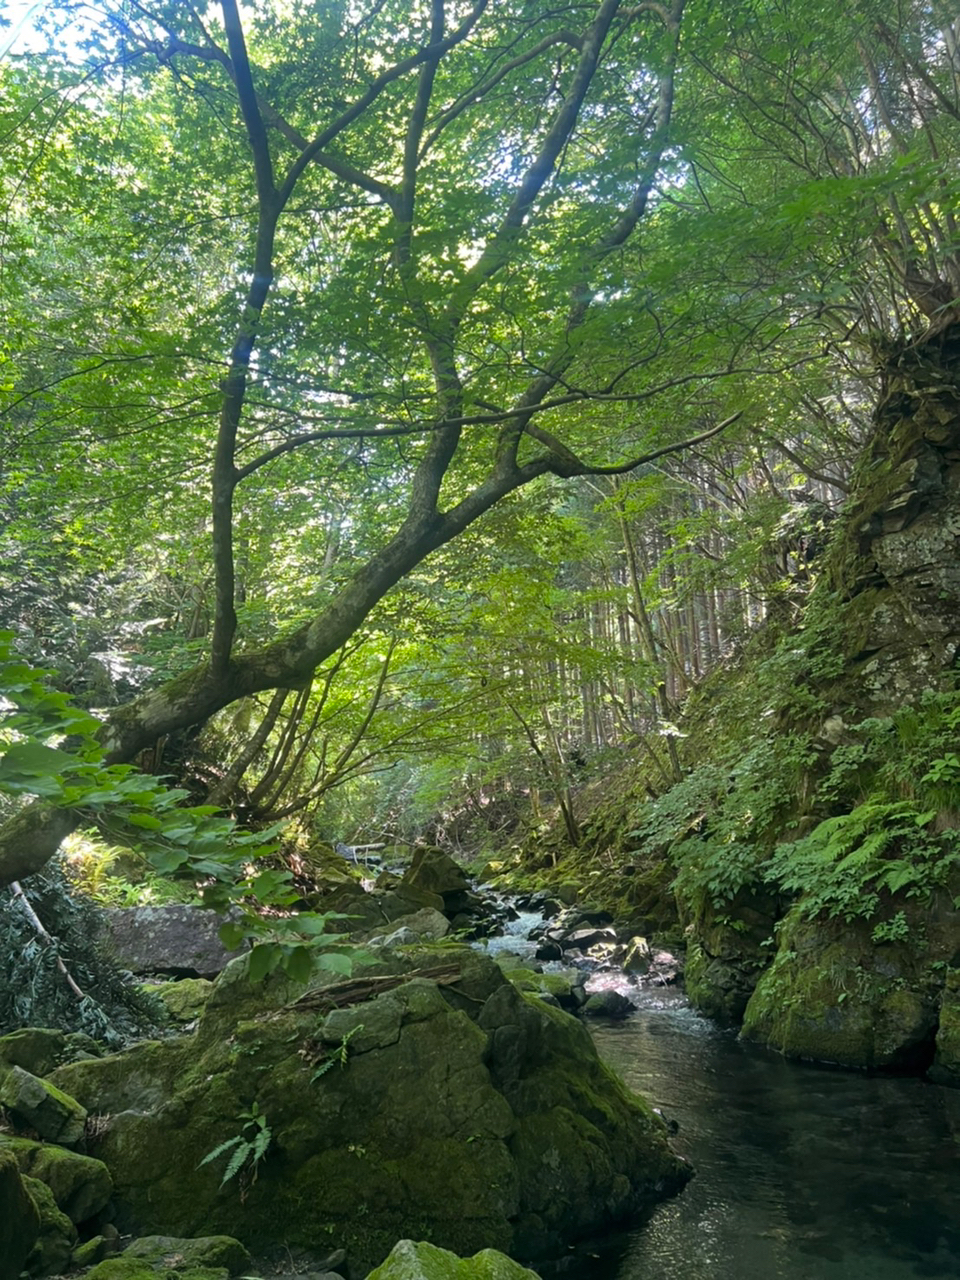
(456, 1104)
(167, 939)
(19, 1218)
(834, 995)
(565, 988)
(417, 1260)
(607, 1004)
(425, 924)
(435, 871)
(584, 939)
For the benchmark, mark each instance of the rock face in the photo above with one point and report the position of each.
(168, 939)
(452, 1104)
(946, 1064)
(889, 596)
(726, 956)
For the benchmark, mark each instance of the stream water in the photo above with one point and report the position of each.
(803, 1173)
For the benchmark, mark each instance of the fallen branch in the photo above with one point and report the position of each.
(358, 990)
(47, 939)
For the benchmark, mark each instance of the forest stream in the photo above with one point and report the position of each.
(802, 1172)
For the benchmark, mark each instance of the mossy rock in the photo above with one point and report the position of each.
(81, 1185)
(91, 1252)
(57, 1236)
(435, 1126)
(197, 1251)
(418, 1260)
(124, 1268)
(727, 954)
(37, 1104)
(833, 995)
(183, 1000)
(557, 985)
(946, 1064)
(19, 1218)
(35, 1049)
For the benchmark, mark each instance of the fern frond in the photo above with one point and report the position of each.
(219, 1150)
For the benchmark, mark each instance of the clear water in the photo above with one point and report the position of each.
(803, 1173)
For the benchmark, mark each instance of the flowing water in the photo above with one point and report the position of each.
(803, 1173)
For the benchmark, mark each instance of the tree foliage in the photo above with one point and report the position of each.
(334, 283)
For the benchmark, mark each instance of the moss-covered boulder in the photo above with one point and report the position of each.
(35, 1049)
(946, 1063)
(834, 995)
(37, 1104)
(418, 1260)
(164, 1252)
(727, 952)
(565, 988)
(57, 1236)
(125, 1268)
(424, 1097)
(19, 1218)
(183, 1000)
(81, 1185)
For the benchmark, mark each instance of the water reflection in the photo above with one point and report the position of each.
(803, 1173)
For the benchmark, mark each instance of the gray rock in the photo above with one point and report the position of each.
(168, 939)
(607, 1004)
(436, 872)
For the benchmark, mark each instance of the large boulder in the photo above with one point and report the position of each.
(35, 1049)
(417, 1260)
(19, 1218)
(424, 1094)
(833, 994)
(173, 938)
(435, 872)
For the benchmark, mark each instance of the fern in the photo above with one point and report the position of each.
(843, 865)
(247, 1151)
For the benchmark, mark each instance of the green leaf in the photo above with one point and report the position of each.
(335, 962)
(264, 958)
(299, 963)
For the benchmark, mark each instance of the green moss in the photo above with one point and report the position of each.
(57, 1235)
(125, 1268)
(832, 995)
(419, 1260)
(81, 1185)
